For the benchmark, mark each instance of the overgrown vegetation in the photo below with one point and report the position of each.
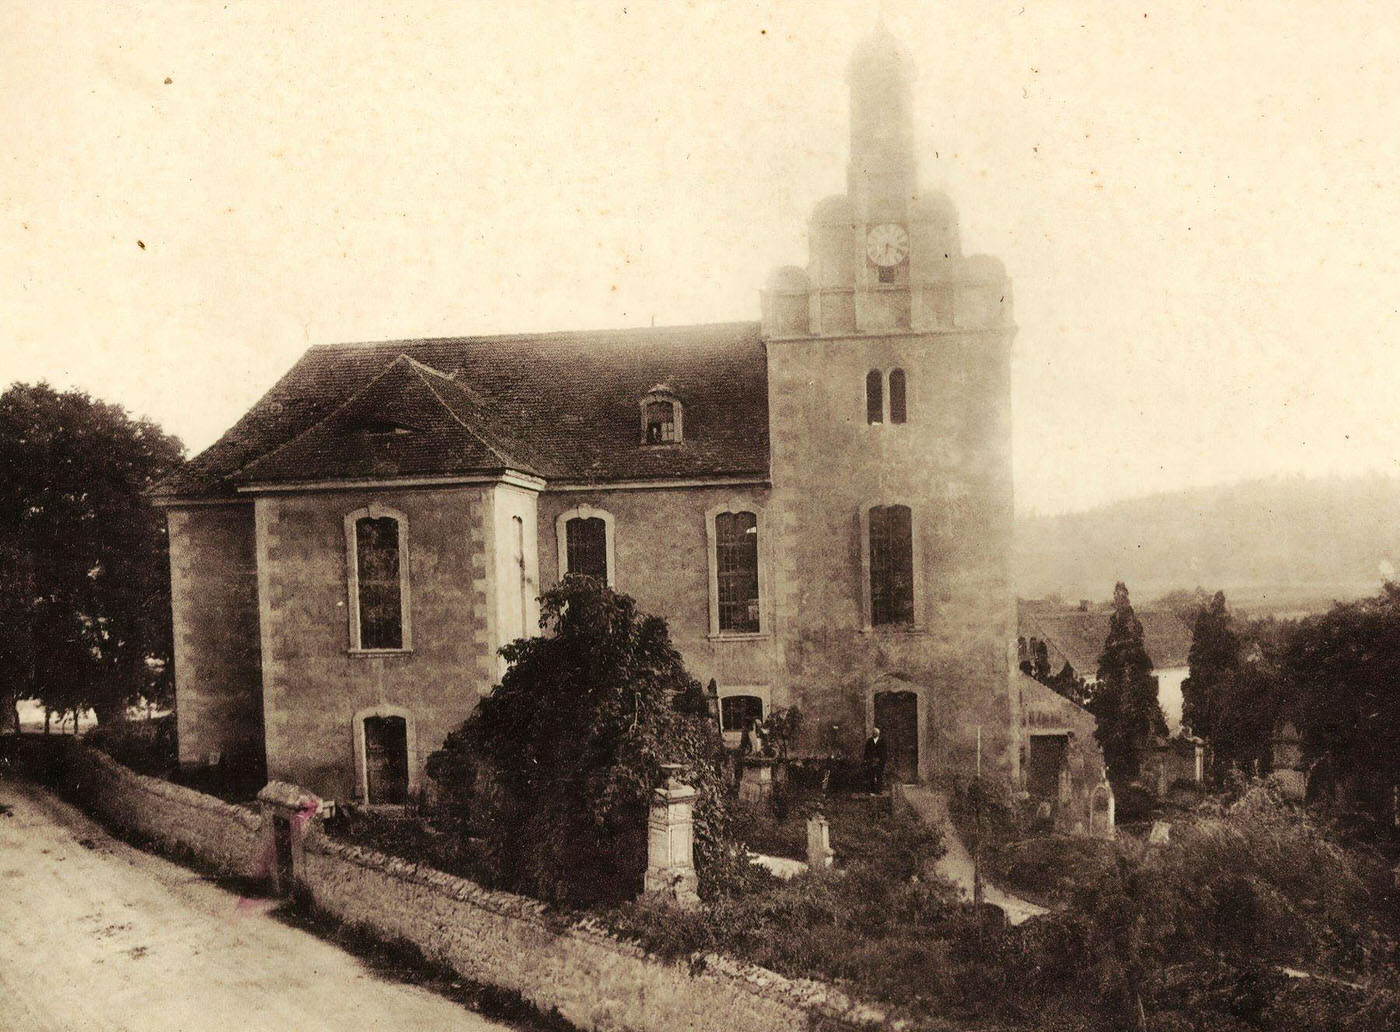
(145, 746)
(550, 779)
(1335, 677)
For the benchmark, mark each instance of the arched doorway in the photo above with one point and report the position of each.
(386, 760)
(897, 717)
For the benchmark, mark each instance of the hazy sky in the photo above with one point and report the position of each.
(1197, 203)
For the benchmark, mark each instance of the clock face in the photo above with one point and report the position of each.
(887, 244)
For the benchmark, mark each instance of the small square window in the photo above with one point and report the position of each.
(886, 273)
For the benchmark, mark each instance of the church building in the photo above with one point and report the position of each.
(819, 504)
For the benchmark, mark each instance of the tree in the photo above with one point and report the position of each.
(84, 562)
(1343, 669)
(556, 767)
(1186, 605)
(1125, 699)
(1215, 663)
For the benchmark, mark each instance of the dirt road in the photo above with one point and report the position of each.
(97, 935)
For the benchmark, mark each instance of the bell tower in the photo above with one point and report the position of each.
(884, 257)
(889, 404)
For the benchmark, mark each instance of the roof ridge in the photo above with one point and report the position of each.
(419, 368)
(324, 419)
(540, 335)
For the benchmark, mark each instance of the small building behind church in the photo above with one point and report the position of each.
(819, 504)
(1059, 635)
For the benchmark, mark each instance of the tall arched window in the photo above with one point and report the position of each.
(377, 541)
(874, 397)
(897, 403)
(736, 565)
(738, 583)
(891, 565)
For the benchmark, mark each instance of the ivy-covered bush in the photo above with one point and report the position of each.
(552, 775)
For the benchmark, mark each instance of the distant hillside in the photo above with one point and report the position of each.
(1271, 545)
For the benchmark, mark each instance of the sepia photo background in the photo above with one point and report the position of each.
(1196, 204)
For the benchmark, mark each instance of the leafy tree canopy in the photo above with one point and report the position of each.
(1125, 698)
(1343, 669)
(556, 767)
(84, 563)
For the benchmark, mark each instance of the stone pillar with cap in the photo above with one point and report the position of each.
(288, 814)
(670, 872)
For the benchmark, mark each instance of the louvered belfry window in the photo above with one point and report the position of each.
(736, 566)
(380, 588)
(586, 547)
(891, 565)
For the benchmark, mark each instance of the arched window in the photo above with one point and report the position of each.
(897, 403)
(586, 547)
(661, 416)
(736, 570)
(739, 712)
(891, 565)
(734, 535)
(585, 537)
(874, 397)
(377, 542)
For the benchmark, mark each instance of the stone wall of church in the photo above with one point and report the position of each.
(214, 606)
(314, 685)
(662, 560)
(950, 463)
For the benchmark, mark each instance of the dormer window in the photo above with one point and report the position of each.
(661, 416)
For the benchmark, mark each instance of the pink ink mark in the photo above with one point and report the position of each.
(267, 860)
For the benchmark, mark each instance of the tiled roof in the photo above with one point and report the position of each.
(563, 406)
(1078, 637)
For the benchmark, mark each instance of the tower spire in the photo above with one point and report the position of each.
(882, 172)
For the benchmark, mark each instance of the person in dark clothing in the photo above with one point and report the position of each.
(876, 752)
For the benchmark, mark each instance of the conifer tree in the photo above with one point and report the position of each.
(1215, 666)
(1125, 698)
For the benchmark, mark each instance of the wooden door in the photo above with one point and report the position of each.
(1043, 766)
(386, 759)
(897, 717)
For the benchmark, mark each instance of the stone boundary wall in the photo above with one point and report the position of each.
(592, 978)
(219, 836)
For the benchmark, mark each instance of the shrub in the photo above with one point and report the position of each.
(145, 746)
(555, 769)
(1050, 867)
